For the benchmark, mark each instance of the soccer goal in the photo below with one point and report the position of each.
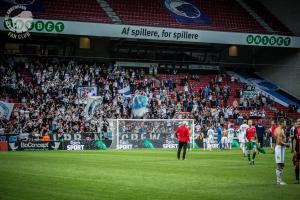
(147, 133)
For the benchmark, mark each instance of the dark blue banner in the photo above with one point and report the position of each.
(186, 11)
(58, 145)
(31, 5)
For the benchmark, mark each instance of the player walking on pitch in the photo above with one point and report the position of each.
(183, 136)
(242, 136)
(296, 150)
(210, 138)
(280, 138)
(230, 136)
(224, 140)
(251, 144)
(272, 130)
(205, 139)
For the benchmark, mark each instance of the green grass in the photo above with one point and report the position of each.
(141, 174)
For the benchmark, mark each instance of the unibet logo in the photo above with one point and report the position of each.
(39, 26)
(265, 40)
(268, 40)
(47, 26)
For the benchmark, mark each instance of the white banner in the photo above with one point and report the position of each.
(89, 109)
(90, 91)
(158, 33)
(6, 109)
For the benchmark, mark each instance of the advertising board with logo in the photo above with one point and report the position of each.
(29, 146)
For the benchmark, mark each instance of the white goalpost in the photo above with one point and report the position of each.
(147, 133)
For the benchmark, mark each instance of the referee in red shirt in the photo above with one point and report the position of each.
(183, 136)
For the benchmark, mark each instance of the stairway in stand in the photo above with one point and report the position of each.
(110, 12)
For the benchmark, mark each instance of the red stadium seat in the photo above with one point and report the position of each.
(73, 10)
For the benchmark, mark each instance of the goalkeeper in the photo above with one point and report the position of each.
(183, 136)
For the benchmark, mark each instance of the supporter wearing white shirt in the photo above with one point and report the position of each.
(1, 130)
(232, 78)
(26, 113)
(24, 100)
(186, 88)
(220, 79)
(16, 112)
(115, 84)
(195, 107)
(155, 70)
(21, 111)
(106, 87)
(263, 113)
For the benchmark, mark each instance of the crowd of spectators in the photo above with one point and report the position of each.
(50, 102)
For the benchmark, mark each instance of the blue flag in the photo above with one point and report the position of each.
(186, 11)
(124, 91)
(139, 106)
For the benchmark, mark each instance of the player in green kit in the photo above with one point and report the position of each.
(251, 143)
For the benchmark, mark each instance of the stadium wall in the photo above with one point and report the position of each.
(282, 67)
(245, 55)
(99, 48)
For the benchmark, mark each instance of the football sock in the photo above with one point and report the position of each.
(279, 174)
(253, 156)
(297, 173)
(249, 157)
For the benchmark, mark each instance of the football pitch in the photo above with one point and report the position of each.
(142, 174)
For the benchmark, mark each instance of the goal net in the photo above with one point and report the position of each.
(146, 133)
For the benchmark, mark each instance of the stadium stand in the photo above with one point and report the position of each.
(226, 15)
(268, 17)
(87, 11)
(48, 102)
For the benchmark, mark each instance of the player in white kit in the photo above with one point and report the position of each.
(242, 136)
(210, 138)
(280, 150)
(230, 136)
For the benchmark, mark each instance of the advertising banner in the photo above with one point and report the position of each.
(250, 94)
(29, 146)
(59, 145)
(146, 134)
(159, 33)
